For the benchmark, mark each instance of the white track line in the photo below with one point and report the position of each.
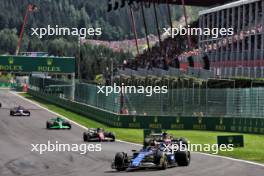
(211, 155)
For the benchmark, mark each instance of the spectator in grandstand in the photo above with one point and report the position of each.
(165, 55)
(124, 111)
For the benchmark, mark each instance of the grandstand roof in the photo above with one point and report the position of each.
(204, 3)
(226, 6)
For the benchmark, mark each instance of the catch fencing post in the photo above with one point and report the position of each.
(73, 87)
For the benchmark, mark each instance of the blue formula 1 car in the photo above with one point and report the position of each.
(19, 111)
(158, 156)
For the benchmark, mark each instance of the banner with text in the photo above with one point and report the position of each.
(37, 64)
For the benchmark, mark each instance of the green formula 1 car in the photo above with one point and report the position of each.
(58, 123)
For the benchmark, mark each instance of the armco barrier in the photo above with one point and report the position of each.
(240, 125)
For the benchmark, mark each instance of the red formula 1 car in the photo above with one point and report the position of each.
(98, 135)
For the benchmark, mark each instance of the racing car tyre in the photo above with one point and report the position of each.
(48, 125)
(183, 158)
(120, 158)
(88, 137)
(184, 141)
(11, 113)
(164, 164)
(160, 159)
(112, 136)
(157, 157)
(67, 124)
(85, 136)
(28, 114)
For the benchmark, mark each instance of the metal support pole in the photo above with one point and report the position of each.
(256, 56)
(169, 13)
(79, 58)
(248, 54)
(232, 55)
(112, 71)
(218, 45)
(254, 45)
(222, 59)
(238, 53)
(243, 40)
(206, 98)
(157, 23)
(262, 37)
(134, 27)
(213, 42)
(145, 25)
(227, 52)
(73, 87)
(186, 23)
(122, 99)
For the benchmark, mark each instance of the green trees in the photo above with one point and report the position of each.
(76, 13)
(61, 47)
(96, 59)
(8, 41)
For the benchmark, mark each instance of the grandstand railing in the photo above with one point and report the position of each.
(173, 72)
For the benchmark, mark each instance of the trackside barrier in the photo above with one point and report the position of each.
(8, 85)
(86, 110)
(15, 86)
(230, 124)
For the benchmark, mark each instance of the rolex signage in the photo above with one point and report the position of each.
(49, 67)
(10, 66)
(37, 64)
(235, 140)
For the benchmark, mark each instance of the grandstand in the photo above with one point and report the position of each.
(242, 53)
(239, 55)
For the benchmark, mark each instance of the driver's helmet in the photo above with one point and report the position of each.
(58, 119)
(165, 135)
(152, 143)
(166, 138)
(99, 130)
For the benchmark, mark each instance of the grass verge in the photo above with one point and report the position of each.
(253, 150)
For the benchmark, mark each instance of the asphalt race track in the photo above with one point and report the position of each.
(16, 158)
